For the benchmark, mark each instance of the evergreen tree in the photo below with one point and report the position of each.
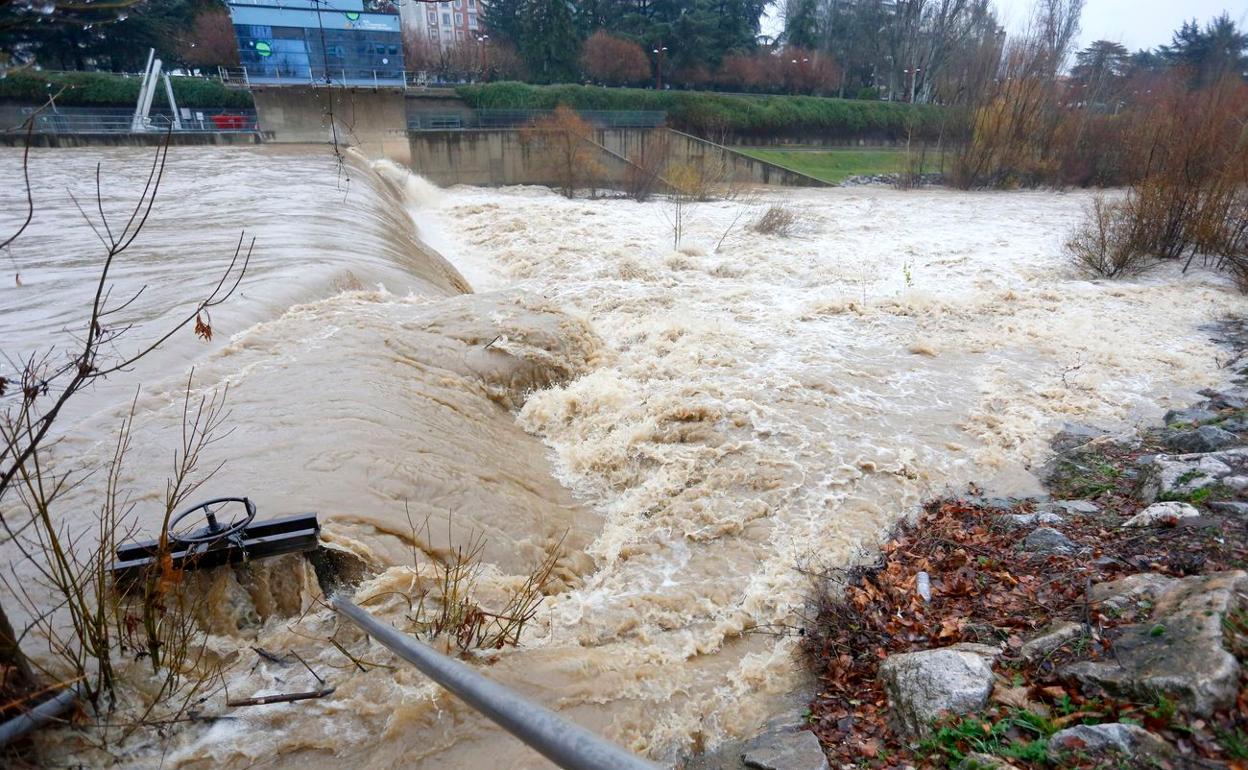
(503, 19)
(548, 40)
(1210, 53)
(801, 23)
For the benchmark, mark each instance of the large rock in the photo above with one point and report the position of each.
(1050, 639)
(1048, 540)
(984, 762)
(1194, 416)
(1181, 475)
(1112, 738)
(922, 686)
(1230, 398)
(785, 750)
(1025, 520)
(1179, 652)
(1161, 514)
(1206, 438)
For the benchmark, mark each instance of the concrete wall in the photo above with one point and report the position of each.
(492, 157)
(496, 157)
(373, 120)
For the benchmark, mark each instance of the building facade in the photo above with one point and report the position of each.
(444, 23)
(347, 42)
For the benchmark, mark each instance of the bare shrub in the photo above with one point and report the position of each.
(442, 602)
(89, 632)
(1108, 243)
(778, 220)
(565, 142)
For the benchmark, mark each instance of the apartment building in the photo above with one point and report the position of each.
(445, 23)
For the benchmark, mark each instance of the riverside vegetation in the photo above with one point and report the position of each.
(1105, 626)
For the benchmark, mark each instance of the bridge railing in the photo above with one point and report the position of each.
(104, 120)
(444, 121)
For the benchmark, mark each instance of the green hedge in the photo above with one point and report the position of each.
(708, 113)
(104, 89)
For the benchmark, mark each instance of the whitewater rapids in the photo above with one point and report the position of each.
(693, 422)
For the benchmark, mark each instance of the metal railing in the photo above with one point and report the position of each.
(103, 120)
(345, 77)
(568, 745)
(443, 121)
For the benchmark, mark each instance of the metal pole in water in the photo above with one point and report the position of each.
(568, 745)
(40, 715)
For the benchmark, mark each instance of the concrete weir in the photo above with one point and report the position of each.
(375, 120)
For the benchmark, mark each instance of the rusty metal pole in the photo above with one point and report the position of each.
(568, 745)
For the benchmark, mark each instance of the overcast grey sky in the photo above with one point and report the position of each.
(1134, 23)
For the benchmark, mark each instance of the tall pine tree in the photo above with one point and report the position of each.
(548, 40)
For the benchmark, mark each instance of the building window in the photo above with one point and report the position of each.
(472, 21)
(472, 3)
(433, 34)
(433, 17)
(446, 20)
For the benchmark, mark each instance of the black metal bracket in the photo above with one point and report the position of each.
(258, 540)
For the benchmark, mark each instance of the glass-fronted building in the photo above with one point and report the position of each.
(345, 42)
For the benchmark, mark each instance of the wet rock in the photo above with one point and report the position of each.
(1235, 424)
(984, 762)
(1237, 484)
(995, 503)
(1112, 738)
(1206, 438)
(1023, 520)
(1050, 639)
(1073, 436)
(1071, 506)
(1180, 475)
(1048, 540)
(921, 686)
(1180, 652)
(1232, 508)
(1161, 514)
(1193, 416)
(785, 750)
(1232, 398)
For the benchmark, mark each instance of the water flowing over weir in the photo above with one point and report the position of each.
(714, 418)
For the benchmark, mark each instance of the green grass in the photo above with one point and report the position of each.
(835, 166)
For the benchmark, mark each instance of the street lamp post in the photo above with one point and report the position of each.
(658, 67)
(482, 41)
(913, 72)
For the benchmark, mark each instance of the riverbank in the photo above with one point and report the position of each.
(1104, 624)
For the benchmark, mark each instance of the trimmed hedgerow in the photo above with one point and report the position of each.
(708, 113)
(105, 89)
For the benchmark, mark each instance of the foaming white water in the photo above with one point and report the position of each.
(726, 414)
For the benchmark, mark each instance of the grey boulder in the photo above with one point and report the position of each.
(1048, 540)
(923, 686)
(1206, 438)
(1160, 514)
(785, 750)
(1112, 738)
(1180, 652)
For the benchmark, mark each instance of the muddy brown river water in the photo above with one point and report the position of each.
(688, 426)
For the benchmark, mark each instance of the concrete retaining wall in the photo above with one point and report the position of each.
(497, 157)
(373, 120)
